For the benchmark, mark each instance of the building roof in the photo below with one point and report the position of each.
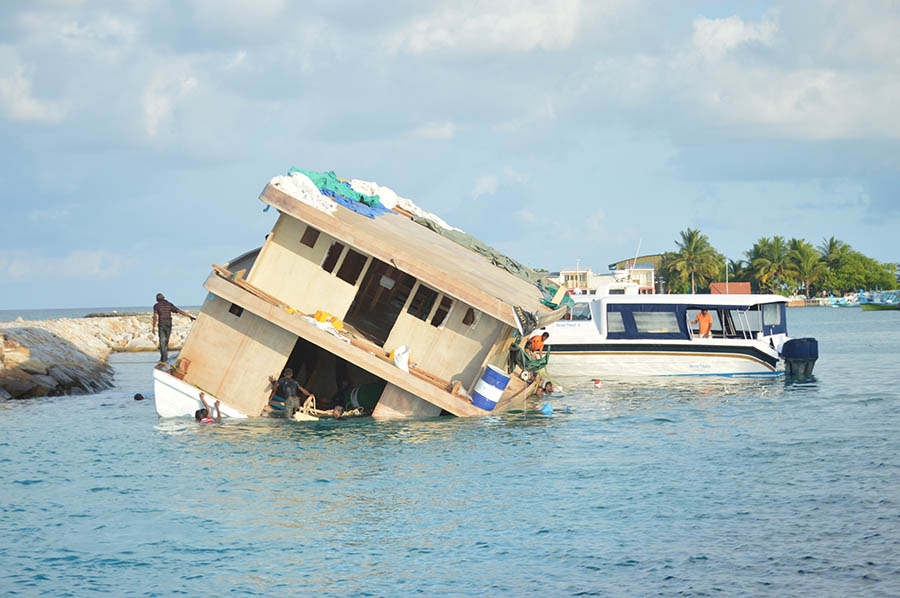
(730, 288)
(433, 259)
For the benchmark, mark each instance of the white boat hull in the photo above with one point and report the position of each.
(676, 360)
(177, 398)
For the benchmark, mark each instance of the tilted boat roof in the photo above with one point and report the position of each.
(435, 260)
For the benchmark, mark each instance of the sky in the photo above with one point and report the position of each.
(137, 135)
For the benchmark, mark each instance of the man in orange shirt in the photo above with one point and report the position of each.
(705, 321)
(535, 345)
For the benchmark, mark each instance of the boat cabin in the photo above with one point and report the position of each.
(670, 316)
(664, 318)
(333, 293)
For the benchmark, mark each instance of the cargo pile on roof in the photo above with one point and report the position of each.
(372, 199)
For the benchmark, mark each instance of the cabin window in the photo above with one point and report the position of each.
(771, 314)
(236, 310)
(352, 267)
(441, 314)
(656, 322)
(614, 322)
(469, 318)
(331, 259)
(773, 318)
(310, 236)
(580, 312)
(422, 302)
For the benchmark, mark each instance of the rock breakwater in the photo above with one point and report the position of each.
(69, 355)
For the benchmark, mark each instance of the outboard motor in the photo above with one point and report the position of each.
(800, 355)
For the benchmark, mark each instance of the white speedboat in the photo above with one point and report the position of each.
(623, 335)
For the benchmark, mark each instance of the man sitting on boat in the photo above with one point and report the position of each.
(535, 345)
(704, 318)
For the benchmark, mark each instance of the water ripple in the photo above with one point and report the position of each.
(718, 487)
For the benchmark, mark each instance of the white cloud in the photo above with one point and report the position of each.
(161, 96)
(704, 85)
(501, 25)
(714, 38)
(239, 15)
(526, 215)
(444, 130)
(102, 35)
(18, 103)
(541, 112)
(485, 185)
(82, 265)
(515, 175)
(57, 213)
(238, 61)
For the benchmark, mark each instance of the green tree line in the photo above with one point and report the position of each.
(774, 265)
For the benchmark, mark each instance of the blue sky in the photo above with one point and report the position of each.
(137, 135)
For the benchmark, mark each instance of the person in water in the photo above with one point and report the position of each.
(203, 415)
(546, 388)
(705, 320)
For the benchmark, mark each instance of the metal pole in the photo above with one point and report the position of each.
(726, 275)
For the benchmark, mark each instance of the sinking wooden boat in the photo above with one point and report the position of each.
(331, 294)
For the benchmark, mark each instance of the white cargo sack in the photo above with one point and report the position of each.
(400, 355)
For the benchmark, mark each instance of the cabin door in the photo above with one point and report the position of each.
(381, 297)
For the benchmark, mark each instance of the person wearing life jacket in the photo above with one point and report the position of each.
(203, 415)
(535, 345)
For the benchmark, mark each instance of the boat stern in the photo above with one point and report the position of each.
(800, 355)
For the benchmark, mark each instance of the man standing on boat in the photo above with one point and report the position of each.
(162, 315)
(705, 321)
(290, 390)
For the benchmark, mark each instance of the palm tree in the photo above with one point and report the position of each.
(832, 251)
(695, 259)
(771, 263)
(737, 269)
(808, 263)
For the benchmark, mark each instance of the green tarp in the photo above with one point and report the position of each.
(330, 182)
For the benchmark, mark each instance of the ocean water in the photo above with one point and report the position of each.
(711, 488)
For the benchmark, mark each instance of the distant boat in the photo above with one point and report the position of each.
(849, 300)
(882, 300)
